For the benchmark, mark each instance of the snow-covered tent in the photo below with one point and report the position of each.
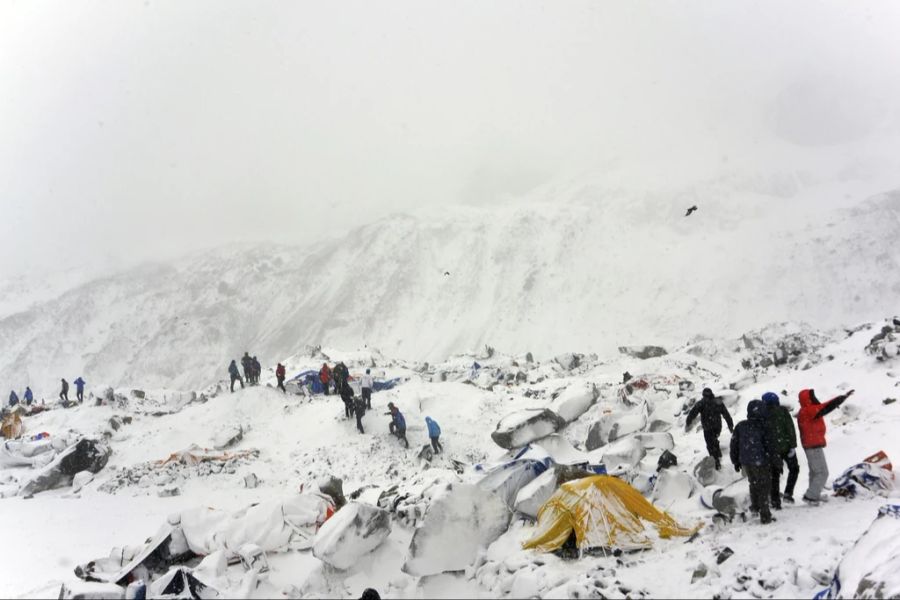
(506, 480)
(602, 512)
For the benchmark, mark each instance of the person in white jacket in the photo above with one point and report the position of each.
(366, 383)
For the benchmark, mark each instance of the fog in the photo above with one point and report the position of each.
(139, 130)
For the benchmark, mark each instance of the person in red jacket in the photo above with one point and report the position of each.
(279, 375)
(325, 376)
(811, 422)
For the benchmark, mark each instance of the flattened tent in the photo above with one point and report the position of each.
(603, 512)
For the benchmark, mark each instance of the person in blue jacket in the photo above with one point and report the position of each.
(235, 375)
(398, 423)
(79, 389)
(29, 397)
(434, 432)
(13, 398)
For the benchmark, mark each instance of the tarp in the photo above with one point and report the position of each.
(874, 474)
(506, 480)
(602, 512)
(310, 380)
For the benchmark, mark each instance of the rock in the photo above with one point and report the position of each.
(666, 460)
(353, 532)
(529, 358)
(699, 573)
(426, 453)
(779, 357)
(724, 555)
(531, 497)
(705, 471)
(169, 492)
(115, 423)
(80, 480)
(686, 385)
(127, 420)
(457, 526)
(334, 487)
(623, 455)
(574, 401)
(522, 427)
(613, 427)
(743, 382)
(671, 486)
(138, 394)
(656, 441)
(228, 438)
(658, 425)
(569, 361)
(643, 352)
(251, 481)
(887, 401)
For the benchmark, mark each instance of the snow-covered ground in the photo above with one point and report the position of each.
(294, 441)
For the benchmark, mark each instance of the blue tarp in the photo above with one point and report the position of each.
(311, 380)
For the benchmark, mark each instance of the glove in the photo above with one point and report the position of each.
(792, 453)
(737, 467)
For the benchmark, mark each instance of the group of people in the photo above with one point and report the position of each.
(252, 371)
(766, 441)
(28, 395)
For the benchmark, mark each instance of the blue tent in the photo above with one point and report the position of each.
(310, 379)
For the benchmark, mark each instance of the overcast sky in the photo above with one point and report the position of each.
(140, 129)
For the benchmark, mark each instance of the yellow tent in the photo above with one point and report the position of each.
(604, 512)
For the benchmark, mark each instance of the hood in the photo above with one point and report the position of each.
(708, 393)
(756, 410)
(807, 398)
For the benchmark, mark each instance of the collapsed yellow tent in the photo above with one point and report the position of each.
(604, 512)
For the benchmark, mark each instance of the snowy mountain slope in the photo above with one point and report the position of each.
(300, 440)
(592, 269)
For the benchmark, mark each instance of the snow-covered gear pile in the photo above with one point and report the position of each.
(86, 455)
(601, 512)
(874, 474)
(26, 453)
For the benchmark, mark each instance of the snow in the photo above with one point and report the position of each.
(441, 520)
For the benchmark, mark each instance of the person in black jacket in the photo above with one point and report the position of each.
(754, 451)
(711, 410)
(347, 396)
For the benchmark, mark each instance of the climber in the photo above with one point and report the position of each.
(397, 426)
(785, 434)
(434, 432)
(711, 411)
(79, 389)
(279, 375)
(235, 375)
(367, 382)
(811, 422)
(753, 450)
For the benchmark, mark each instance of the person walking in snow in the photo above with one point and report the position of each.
(347, 396)
(79, 389)
(247, 365)
(279, 375)
(367, 383)
(29, 396)
(711, 410)
(257, 371)
(235, 375)
(325, 377)
(397, 426)
(341, 376)
(811, 422)
(64, 393)
(13, 398)
(753, 451)
(434, 432)
(359, 408)
(785, 435)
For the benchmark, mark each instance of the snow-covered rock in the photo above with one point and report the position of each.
(643, 352)
(656, 441)
(532, 496)
(622, 455)
(613, 427)
(457, 526)
(574, 401)
(86, 455)
(353, 532)
(522, 427)
(671, 486)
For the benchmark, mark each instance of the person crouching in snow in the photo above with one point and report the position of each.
(711, 410)
(434, 432)
(753, 450)
(398, 423)
(811, 422)
(782, 424)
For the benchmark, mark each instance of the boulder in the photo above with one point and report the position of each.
(666, 460)
(353, 532)
(671, 486)
(623, 455)
(80, 480)
(574, 401)
(458, 525)
(643, 352)
(333, 487)
(658, 425)
(86, 455)
(613, 427)
(568, 361)
(228, 437)
(656, 441)
(531, 497)
(522, 427)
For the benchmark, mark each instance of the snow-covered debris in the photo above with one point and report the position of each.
(569, 360)
(25, 453)
(869, 569)
(506, 480)
(353, 532)
(86, 455)
(228, 437)
(458, 524)
(671, 486)
(885, 345)
(622, 455)
(522, 427)
(656, 441)
(643, 352)
(533, 495)
(574, 401)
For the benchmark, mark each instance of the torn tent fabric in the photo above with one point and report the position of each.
(602, 512)
(874, 474)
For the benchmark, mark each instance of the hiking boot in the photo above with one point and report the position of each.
(788, 498)
(718, 465)
(811, 501)
(776, 506)
(766, 519)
